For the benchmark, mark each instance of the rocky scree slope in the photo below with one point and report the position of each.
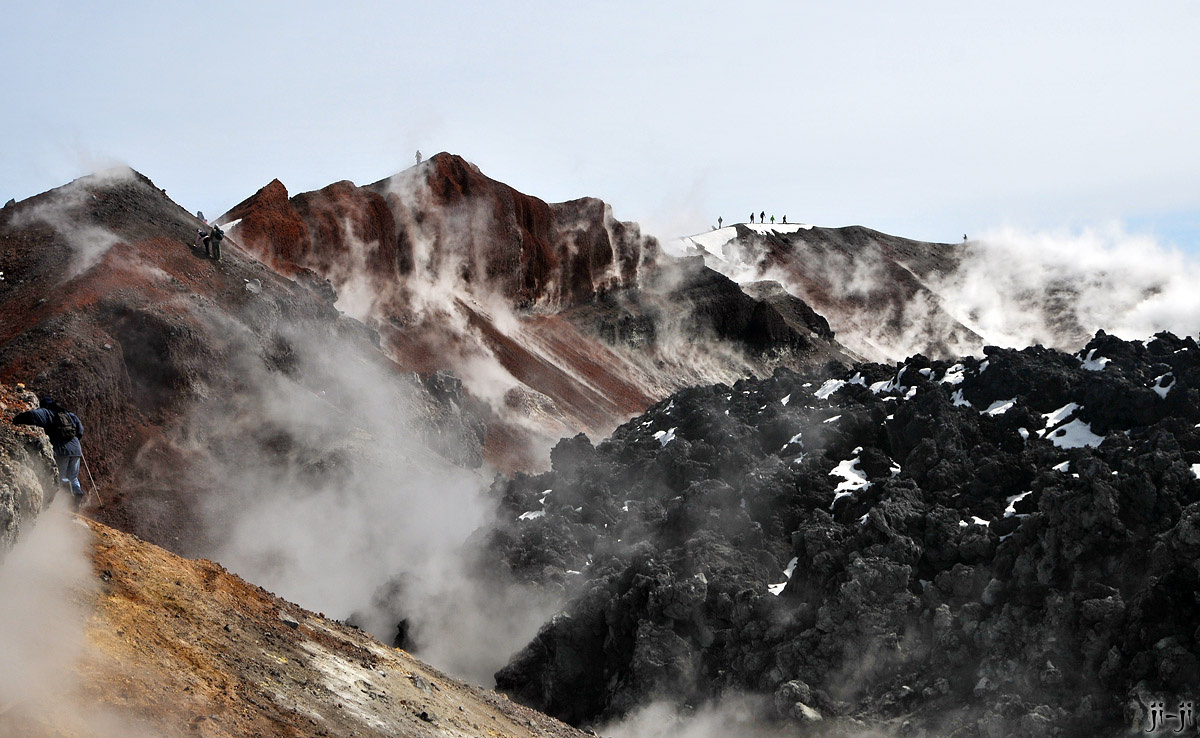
(559, 316)
(173, 647)
(995, 546)
(183, 368)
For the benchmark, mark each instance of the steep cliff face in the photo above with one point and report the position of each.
(28, 476)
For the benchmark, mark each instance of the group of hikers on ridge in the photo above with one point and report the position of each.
(762, 218)
(65, 431)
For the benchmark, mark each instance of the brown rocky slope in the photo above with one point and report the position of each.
(174, 647)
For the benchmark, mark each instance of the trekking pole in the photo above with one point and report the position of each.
(95, 492)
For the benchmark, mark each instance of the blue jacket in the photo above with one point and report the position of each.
(44, 419)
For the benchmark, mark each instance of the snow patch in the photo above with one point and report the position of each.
(853, 477)
(827, 389)
(1164, 384)
(1011, 510)
(769, 228)
(665, 437)
(954, 375)
(1061, 414)
(785, 400)
(776, 589)
(1075, 434)
(999, 407)
(794, 439)
(830, 420)
(1093, 364)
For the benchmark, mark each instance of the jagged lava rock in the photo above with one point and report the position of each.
(988, 545)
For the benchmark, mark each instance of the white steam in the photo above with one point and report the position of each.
(730, 716)
(330, 496)
(63, 210)
(43, 583)
(1010, 288)
(1017, 288)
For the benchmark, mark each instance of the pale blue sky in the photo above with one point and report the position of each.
(922, 119)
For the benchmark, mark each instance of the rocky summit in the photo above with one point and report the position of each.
(1004, 545)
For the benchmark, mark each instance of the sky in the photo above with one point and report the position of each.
(924, 119)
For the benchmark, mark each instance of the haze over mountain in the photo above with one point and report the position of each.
(324, 411)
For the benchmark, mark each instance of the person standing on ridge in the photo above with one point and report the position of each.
(772, 220)
(718, 221)
(64, 429)
(785, 220)
(751, 217)
(762, 217)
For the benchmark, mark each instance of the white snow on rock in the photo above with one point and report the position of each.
(534, 514)
(1164, 384)
(794, 439)
(776, 589)
(833, 419)
(786, 400)
(1061, 414)
(1093, 364)
(1075, 434)
(958, 399)
(954, 375)
(853, 477)
(769, 228)
(1063, 467)
(665, 437)
(712, 242)
(1011, 510)
(1023, 433)
(999, 407)
(833, 385)
(976, 520)
(1196, 470)
(891, 385)
(827, 389)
